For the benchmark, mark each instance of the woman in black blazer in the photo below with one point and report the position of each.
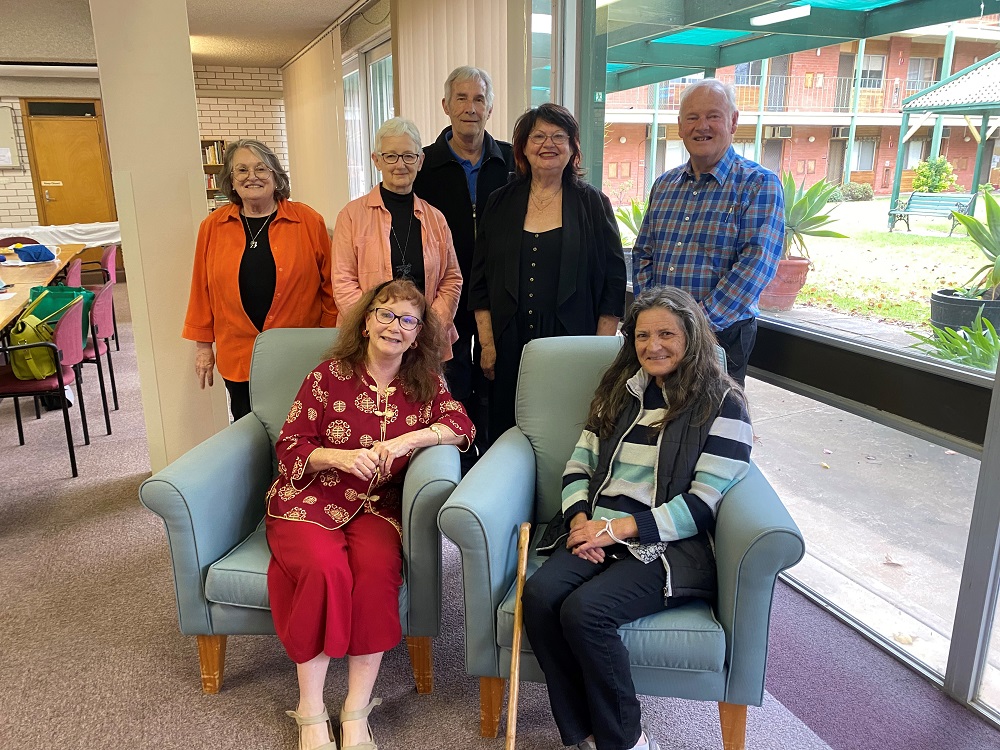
(548, 259)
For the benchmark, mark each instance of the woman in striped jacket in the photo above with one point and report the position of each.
(667, 435)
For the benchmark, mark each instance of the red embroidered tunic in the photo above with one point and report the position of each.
(336, 408)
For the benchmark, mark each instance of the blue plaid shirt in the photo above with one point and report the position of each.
(719, 238)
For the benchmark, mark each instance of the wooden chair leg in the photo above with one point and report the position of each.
(421, 653)
(212, 656)
(733, 718)
(490, 702)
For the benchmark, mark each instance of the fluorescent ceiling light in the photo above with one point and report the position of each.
(798, 11)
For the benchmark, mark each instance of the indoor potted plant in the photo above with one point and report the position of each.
(955, 308)
(803, 218)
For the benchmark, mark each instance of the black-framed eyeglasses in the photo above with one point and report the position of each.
(261, 172)
(408, 158)
(559, 139)
(385, 316)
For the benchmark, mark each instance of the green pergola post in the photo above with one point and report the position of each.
(761, 98)
(900, 152)
(709, 72)
(855, 98)
(593, 88)
(949, 55)
(654, 138)
(976, 172)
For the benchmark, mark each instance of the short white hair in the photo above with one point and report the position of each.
(397, 126)
(726, 89)
(469, 73)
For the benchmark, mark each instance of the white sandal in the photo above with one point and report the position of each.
(303, 721)
(361, 713)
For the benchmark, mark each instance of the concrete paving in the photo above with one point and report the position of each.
(885, 515)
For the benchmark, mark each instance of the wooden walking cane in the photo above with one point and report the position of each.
(523, 540)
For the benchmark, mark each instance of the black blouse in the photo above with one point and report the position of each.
(405, 241)
(258, 276)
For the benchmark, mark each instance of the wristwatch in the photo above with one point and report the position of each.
(437, 431)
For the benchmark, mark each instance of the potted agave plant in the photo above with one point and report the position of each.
(957, 308)
(803, 218)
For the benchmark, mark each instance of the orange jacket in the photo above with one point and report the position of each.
(362, 256)
(303, 295)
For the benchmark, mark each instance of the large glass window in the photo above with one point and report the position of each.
(863, 156)
(872, 71)
(917, 150)
(368, 102)
(920, 73)
(541, 52)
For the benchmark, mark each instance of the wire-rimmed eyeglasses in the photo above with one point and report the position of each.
(385, 316)
(261, 172)
(408, 158)
(558, 139)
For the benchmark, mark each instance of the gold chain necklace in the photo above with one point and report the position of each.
(542, 204)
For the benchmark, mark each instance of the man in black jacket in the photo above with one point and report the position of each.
(461, 168)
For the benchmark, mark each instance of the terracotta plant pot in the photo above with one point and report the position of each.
(780, 294)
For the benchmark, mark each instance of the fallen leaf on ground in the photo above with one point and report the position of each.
(824, 465)
(890, 562)
(903, 639)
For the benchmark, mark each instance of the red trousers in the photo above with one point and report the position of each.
(335, 591)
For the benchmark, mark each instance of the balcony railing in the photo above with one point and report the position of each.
(803, 93)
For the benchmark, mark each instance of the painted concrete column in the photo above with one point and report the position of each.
(653, 141)
(758, 139)
(855, 98)
(147, 87)
(946, 62)
(900, 154)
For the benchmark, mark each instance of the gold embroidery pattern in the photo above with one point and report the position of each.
(311, 500)
(395, 524)
(442, 385)
(329, 478)
(379, 481)
(318, 393)
(366, 441)
(391, 413)
(339, 406)
(338, 432)
(287, 492)
(424, 415)
(351, 495)
(364, 403)
(340, 371)
(312, 414)
(294, 412)
(451, 406)
(274, 489)
(337, 513)
(295, 514)
(298, 468)
(411, 420)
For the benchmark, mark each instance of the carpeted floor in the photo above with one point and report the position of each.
(92, 657)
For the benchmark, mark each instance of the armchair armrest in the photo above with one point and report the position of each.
(431, 476)
(482, 517)
(755, 540)
(210, 500)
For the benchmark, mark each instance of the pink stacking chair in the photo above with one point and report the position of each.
(109, 268)
(74, 272)
(68, 347)
(101, 330)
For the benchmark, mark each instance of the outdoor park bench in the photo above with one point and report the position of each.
(930, 204)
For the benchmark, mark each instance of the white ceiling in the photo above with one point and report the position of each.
(253, 33)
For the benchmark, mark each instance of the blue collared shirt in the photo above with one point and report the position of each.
(471, 170)
(719, 237)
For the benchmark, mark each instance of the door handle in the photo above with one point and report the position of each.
(47, 198)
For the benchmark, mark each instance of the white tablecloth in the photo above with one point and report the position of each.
(92, 235)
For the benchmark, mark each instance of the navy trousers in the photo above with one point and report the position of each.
(572, 611)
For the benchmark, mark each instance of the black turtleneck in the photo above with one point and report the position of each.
(407, 254)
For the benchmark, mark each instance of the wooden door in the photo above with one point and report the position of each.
(69, 162)
(835, 162)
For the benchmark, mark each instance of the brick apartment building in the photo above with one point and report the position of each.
(807, 111)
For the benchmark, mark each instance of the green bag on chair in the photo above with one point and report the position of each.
(40, 362)
(57, 298)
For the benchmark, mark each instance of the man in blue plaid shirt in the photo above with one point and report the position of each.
(714, 226)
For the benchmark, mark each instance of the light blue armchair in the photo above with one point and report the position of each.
(694, 651)
(212, 502)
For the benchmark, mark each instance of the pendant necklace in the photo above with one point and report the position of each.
(540, 203)
(402, 271)
(253, 238)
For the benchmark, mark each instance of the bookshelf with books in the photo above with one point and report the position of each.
(212, 153)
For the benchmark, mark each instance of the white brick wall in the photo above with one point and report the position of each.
(17, 196)
(229, 119)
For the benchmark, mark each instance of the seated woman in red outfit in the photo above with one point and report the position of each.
(333, 513)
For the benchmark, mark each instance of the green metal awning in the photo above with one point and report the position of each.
(656, 40)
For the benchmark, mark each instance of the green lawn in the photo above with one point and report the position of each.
(883, 275)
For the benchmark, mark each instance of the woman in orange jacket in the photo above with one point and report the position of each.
(261, 262)
(390, 233)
